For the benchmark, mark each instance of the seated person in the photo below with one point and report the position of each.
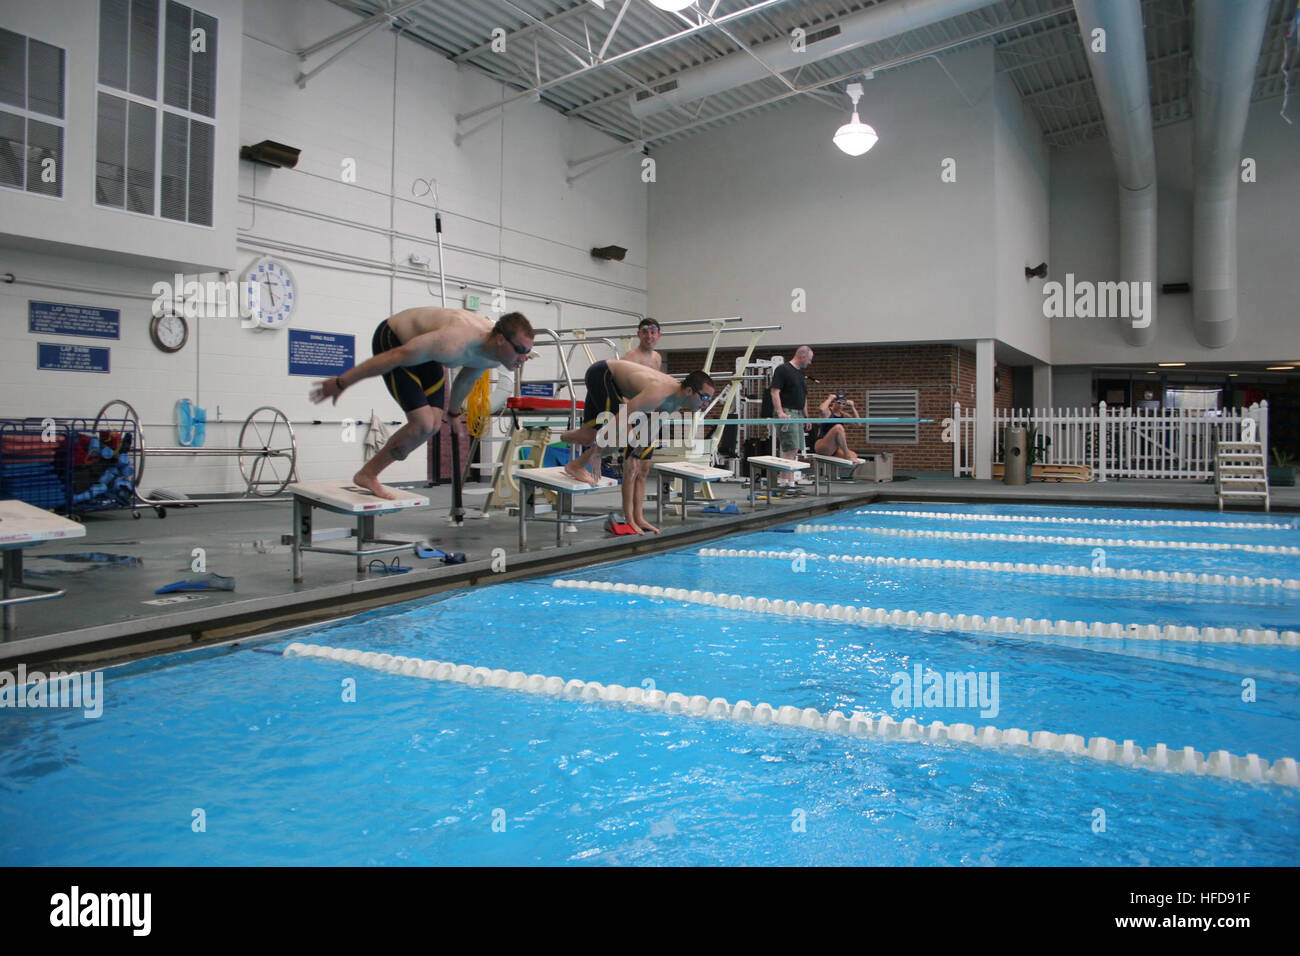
(831, 440)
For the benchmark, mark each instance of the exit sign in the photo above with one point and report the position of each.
(471, 302)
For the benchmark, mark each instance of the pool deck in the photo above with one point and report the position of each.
(120, 562)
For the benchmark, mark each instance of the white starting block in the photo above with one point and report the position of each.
(768, 465)
(345, 498)
(826, 467)
(565, 487)
(689, 472)
(21, 526)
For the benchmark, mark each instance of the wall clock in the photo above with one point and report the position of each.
(270, 293)
(169, 332)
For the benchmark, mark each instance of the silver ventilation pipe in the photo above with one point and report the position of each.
(1119, 72)
(1225, 51)
(872, 25)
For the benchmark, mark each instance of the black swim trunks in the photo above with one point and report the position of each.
(413, 387)
(602, 394)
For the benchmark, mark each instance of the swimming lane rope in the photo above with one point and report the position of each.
(1066, 570)
(1050, 539)
(1160, 758)
(948, 622)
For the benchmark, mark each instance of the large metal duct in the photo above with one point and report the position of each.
(1120, 76)
(1225, 51)
(869, 26)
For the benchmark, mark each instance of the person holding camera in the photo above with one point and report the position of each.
(831, 439)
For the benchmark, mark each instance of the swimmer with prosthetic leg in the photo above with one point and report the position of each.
(412, 352)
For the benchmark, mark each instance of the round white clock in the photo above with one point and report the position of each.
(270, 293)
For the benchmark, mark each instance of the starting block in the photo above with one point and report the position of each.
(767, 466)
(345, 498)
(564, 486)
(823, 466)
(689, 472)
(21, 526)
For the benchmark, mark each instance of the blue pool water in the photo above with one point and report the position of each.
(286, 771)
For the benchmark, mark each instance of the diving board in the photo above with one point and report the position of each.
(769, 465)
(689, 472)
(345, 498)
(565, 486)
(22, 526)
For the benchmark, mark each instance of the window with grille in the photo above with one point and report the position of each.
(31, 114)
(156, 106)
(892, 403)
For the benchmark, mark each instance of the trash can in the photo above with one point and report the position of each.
(1015, 455)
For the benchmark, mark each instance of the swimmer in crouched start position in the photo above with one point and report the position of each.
(622, 390)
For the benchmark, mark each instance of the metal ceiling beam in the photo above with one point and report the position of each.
(373, 22)
(625, 55)
(524, 31)
(354, 35)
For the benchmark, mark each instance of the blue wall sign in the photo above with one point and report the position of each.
(71, 358)
(87, 321)
(322, 354)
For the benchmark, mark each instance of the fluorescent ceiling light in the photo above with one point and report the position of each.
(855, 137)
(1281, 368)
(1171, 364)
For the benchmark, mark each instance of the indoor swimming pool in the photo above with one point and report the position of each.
(614, 715)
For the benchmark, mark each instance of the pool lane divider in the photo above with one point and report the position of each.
(1050, 539)
(948, 622)
(1060, 570)
(1160, 758)
(1041, 519)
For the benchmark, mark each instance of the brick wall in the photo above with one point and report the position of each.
(940, 374)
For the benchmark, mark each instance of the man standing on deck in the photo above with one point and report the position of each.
(788, 395)
(411, 351)
(637, 469)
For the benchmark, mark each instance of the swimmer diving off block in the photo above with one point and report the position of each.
(624, 389)
(412, 351)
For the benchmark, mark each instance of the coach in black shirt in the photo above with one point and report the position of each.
(788, 395)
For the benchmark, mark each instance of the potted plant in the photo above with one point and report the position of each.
(1037, 450)
(1282, 471)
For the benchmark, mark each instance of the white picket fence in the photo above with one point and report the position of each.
(1118, 443)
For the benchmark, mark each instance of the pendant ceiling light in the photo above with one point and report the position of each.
(855, 137)
(672, 5)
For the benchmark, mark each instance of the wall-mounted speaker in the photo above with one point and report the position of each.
(272, 154)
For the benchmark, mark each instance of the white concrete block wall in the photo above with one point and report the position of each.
(1021, 182)
(510, 173)
(886, 251)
